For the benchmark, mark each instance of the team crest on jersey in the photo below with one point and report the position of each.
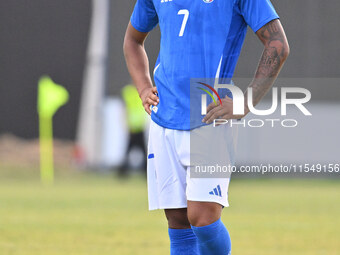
(208, 1)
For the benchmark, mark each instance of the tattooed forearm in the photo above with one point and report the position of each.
(274, 55)
(270, 63)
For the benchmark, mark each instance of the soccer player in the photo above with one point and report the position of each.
(199, 39)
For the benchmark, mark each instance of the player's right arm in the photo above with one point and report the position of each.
(138, 65)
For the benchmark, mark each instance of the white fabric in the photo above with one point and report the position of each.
(169, 182)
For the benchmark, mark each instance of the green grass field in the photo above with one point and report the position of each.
(97, 214)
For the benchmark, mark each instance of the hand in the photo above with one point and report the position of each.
(224, 111)
(149, 97)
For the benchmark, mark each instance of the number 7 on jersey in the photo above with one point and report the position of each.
(185, 20)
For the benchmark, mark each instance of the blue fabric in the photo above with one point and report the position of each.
(213, 239)
(183, 242)
(213, 35)
(144, 18)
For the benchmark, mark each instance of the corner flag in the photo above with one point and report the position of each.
(51, 97)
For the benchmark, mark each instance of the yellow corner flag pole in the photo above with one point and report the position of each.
(51, 97)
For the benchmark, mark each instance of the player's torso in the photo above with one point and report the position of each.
(193, 37)
(193, 31)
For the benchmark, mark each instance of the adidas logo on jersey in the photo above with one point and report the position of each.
(216, 191)
(165, 1)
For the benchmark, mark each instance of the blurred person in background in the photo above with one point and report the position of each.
(199, 39)
(136, 120)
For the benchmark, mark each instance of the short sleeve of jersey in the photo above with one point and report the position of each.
(257, 13)
(144, 17)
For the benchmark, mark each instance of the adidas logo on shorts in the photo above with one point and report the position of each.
(216, 191)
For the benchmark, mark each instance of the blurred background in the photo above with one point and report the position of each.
(98, 137)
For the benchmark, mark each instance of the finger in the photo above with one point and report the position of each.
(151, 102)
(211, 106)
(216, 115)
(211, 113)
(154, 97)
(147, 108)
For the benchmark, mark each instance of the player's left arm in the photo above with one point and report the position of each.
(275, 53)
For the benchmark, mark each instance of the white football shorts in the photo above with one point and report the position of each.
(168, 170)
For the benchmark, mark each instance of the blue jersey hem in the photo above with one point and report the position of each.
(140, 29)
(168, 125)
(174, 126)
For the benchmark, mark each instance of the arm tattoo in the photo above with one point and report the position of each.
(272, 59)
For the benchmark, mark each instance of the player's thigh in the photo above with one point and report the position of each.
(203, 213)
(166, 175)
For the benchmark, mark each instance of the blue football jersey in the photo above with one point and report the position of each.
(199, 39)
